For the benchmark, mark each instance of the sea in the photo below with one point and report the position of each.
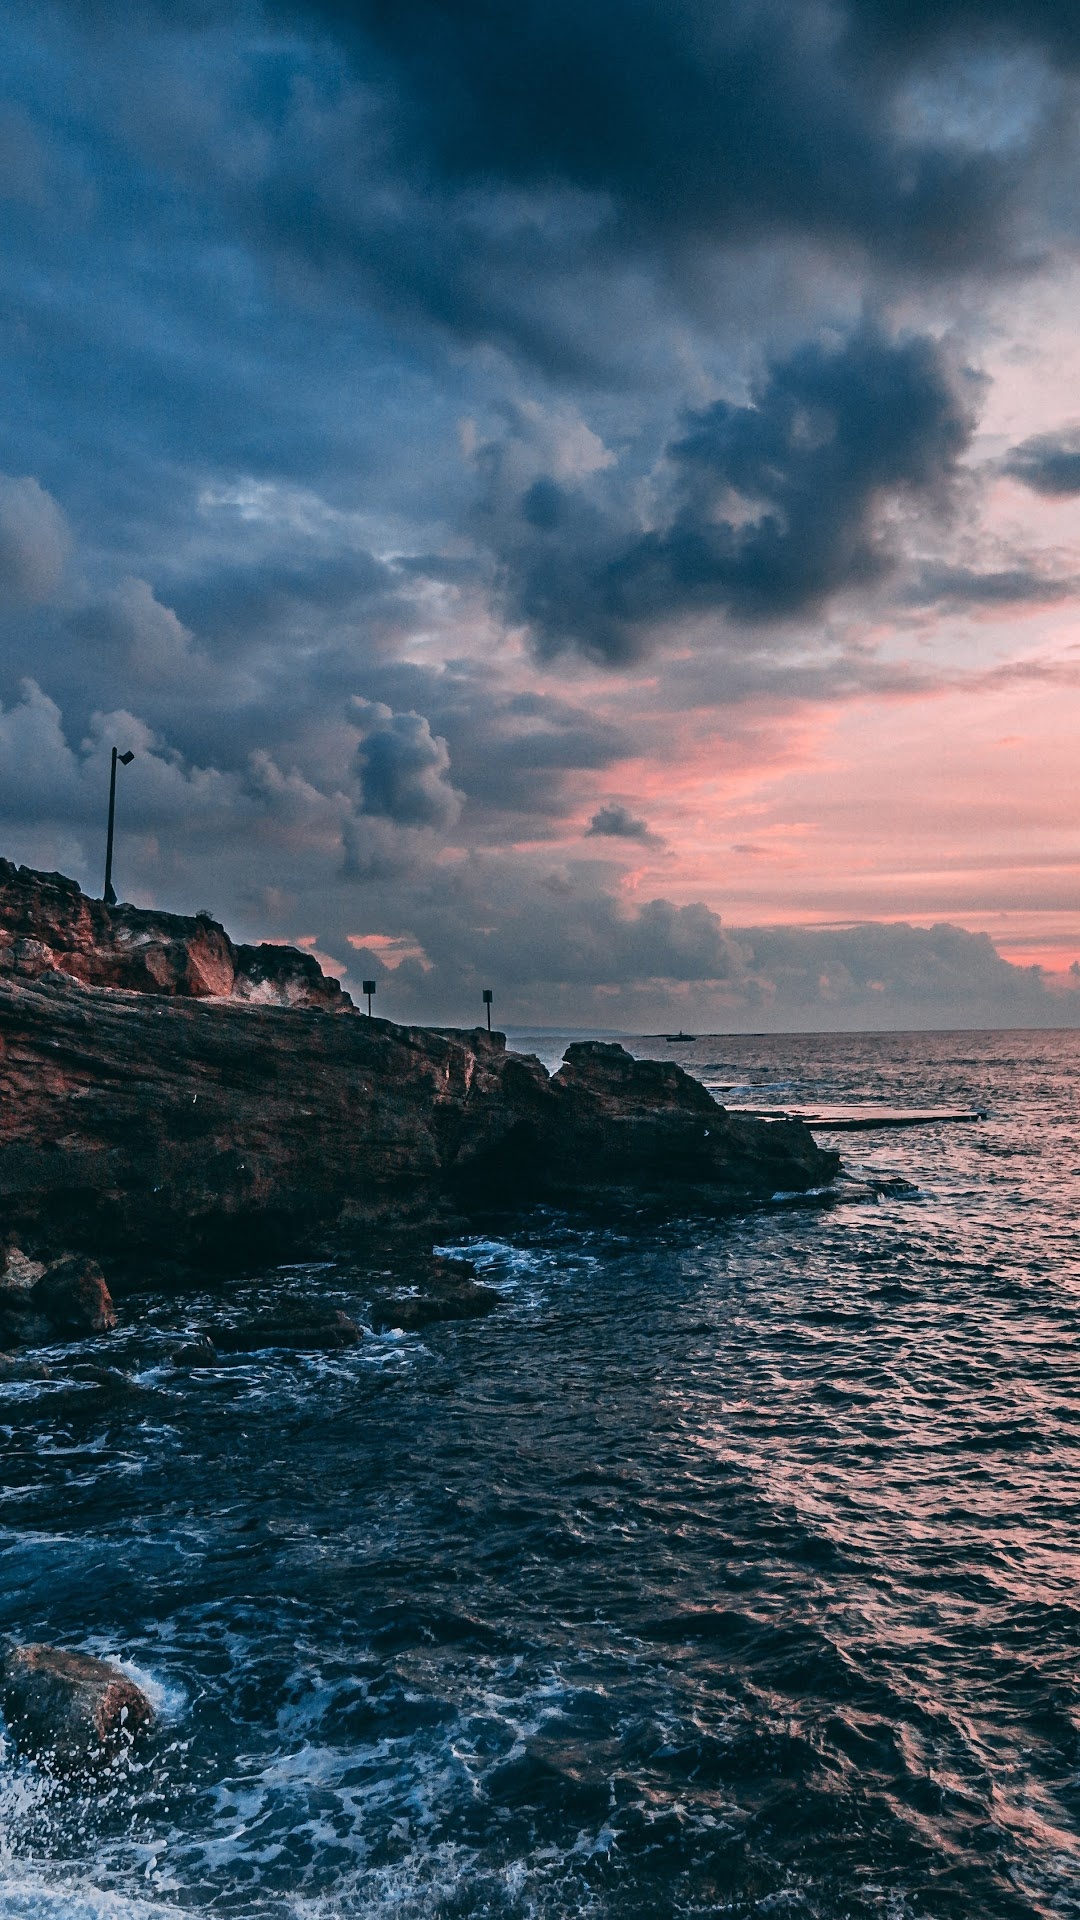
(731, 1567)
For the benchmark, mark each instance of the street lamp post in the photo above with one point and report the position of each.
(125, 760)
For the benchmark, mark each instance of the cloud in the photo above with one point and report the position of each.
(619, 823)
(509, 371)
(921, 26)
(38, 771)
(664, 965)
(1020, 585)
(1048, 463)
(676, 121)
(34, 541)
(890, 975)
(154, 646)
(772, 507)
(562, 928)
(403, 768)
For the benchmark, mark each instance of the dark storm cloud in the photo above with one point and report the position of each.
(921, 26)
(566, 928)
(263, 260)
(618, 823)
(404, 768)
(687, 119)
(772, 505)
(276, 594)
(1048, 463)
(512, 753)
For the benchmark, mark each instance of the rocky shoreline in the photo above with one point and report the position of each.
(173, 1106)
(155, 1108)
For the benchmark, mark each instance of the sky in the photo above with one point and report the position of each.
(581, 499)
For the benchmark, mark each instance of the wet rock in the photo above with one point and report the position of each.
(73, 1295)
(446, 1290)
(18, 1272)
(196, 1353)
(70, 1710)
(306, 1327)
(19, 1366)
(64, 1301)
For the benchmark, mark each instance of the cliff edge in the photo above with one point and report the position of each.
(48, 924)
(156, 1094)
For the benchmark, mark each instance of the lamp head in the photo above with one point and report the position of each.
(125, 759)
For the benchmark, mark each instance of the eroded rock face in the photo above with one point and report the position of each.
(68, 1709)
(47, 923)
(164, 1091)
(236, 1134)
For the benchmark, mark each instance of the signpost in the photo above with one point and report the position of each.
(369, 989)
(125, 760)
(487, 1003)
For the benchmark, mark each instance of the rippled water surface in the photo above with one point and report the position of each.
(730, 1568)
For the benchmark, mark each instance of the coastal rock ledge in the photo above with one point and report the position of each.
(155, 1103)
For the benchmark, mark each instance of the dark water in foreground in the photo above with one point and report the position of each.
(728, 1569)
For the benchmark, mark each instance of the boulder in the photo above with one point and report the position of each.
(446, 1289)
(66, 1300)
(305, 1327)
(73, 1296)
(196, 1353)
(70, 1710)
(18, 1272)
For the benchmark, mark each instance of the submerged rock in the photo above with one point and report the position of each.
(306, 1327)
(69, 1709)
(196, 1353)
(446, 1290)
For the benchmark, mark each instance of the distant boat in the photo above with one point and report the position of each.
(679, 1039)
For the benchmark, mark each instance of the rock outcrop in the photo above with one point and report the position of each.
(153, 1102)
(440, 1289)
(66, 1299)
(70, 1710)
(208, 1130)
(48, 924)
(308, 1326)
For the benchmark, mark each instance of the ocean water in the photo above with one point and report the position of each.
(729, 1568)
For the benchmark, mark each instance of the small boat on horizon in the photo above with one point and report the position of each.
(679, 1039)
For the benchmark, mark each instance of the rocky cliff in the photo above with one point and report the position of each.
(186, 1117)
(47, 923)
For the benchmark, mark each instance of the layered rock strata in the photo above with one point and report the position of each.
(213, 1130)
(199, 1124)
(47, 923)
